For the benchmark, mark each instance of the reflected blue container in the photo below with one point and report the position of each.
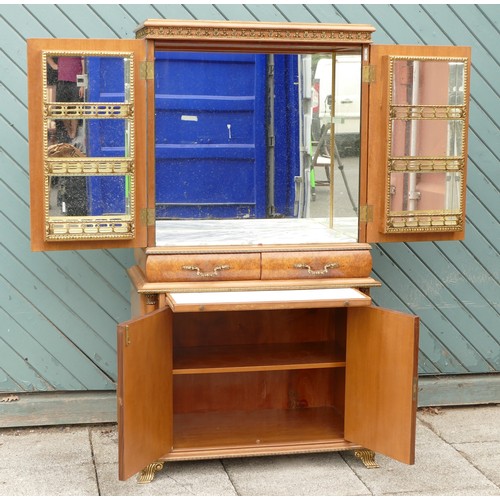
(106, 195)
(211, 135)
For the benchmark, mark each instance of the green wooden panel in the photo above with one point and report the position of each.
(432, 301)
(208, 12)
(168, 11)
(15, 367)
(297, 13)
(235, 11)
(265, 12)
(87, 22)
(49, 351)
(431, 320)
(59, 409)
(59, 310)
(491, 13)
(61, 302)
(7, 383)
(462, 390)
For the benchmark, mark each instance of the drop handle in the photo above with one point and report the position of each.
(326, 268)
(201, 274)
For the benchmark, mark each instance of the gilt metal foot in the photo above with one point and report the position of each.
(148, 473)
(368, 458)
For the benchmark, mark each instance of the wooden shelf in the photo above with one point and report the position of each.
(259, 357)
(212, 431)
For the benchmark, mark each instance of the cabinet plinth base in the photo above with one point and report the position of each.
(148, 473)
(368, 458)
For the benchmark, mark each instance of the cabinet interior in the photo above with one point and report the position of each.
(258, 377)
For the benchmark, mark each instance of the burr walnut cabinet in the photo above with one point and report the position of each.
(250, 165)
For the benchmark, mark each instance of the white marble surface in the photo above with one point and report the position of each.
(266, 296)
(255, 232)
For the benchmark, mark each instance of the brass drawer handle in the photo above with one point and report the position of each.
(215, 272)
(317, 273)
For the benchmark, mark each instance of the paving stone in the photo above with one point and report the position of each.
(485, 456)
(464, 425)
(315, 474)
(64, 446)
(439, 470)
(194, 478)
(44, 479)
(456, 454)
(105, 444)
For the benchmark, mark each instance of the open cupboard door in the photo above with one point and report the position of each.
(414, 161)
(381, 381)
(144, 391)
(87, 143)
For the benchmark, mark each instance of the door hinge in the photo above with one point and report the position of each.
(127, 337)
(148, 216)
(366, 213)
(368, 75)
(147, 70)
(415, 388)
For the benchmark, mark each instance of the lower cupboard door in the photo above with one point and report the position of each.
(144, 391)
(381, 381)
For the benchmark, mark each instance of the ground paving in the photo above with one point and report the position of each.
(457, 453)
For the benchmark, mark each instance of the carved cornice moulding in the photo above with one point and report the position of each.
(261, 33)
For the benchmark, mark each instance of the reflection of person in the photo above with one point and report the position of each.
(71, 189)
(67, 89)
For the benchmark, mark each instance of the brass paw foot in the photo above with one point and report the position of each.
(148, 473)
(368, 458)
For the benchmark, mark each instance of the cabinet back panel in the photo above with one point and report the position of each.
(259, 327)
(259, 390)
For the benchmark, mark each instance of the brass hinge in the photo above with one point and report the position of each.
(366, 213)
(368, 75)
(148, 216)
(415, 388)
(147, 70)
(127, 337)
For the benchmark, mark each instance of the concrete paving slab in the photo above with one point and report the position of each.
(484, 456)
(316, 474)
(196, 478)
(457, 454)
(46, 461)
(206, 477)
(105, 444)
(466, 424)
(43, 479)
(64, 445)
(439, 470)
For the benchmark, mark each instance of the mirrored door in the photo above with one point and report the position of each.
(83, 140)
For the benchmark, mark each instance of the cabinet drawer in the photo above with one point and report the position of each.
(316, 265)
(203, 267)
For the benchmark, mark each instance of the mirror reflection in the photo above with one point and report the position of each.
(81, 196)
(79, 86)
(427, 82)
(244, 146)
(427, 127)
(425, 191)
(434, 138)
(89, 79)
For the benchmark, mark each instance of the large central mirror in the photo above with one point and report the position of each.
(256, 148)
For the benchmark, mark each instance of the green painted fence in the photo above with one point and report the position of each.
(59, 310)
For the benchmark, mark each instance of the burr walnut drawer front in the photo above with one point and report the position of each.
(203, 267)
(316, 265)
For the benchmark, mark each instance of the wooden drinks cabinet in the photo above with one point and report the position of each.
(253, 331)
